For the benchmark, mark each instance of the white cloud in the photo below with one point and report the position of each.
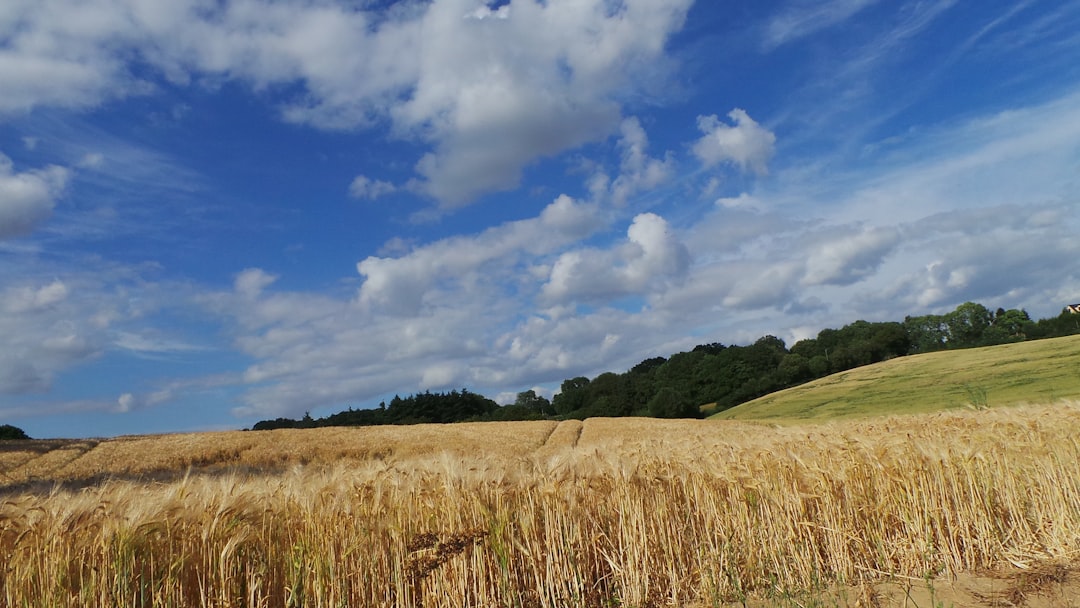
(743, 201)
(1007, 181)
(440, 375)
(764, 285)
(27, 199)
(252, 281)
(490, 112)
(29, 299)
(801, 19)
(746, 144)
(128, 402)
(92, 160)
(638, 171)
(151, 343)
(365, 187)
(651, 258)
(444, 315)
(843, 259)
(44, 330)
(489, 91)
(989, 254)
(404, 284)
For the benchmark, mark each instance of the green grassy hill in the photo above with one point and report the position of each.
(1038, 371)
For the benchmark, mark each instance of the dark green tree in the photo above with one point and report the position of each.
(641, 383)
(1007, 326)
(532, 402)
(8, 431)
(967, 324)
(794, 369)
(1065, 324)
(926, 333)
(669, 403)
(572, 396)
(682, 372)
(608, 396)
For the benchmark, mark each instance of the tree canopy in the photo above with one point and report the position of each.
(8, 432)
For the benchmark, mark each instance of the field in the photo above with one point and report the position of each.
(965, 508)
(1040, 371)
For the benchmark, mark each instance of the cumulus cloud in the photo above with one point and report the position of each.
(312, 350)
(27, 199)
(43, 331)
(54, 320)
(651, 257)
(489, 90)
(128, 402)
(371, 189)
(989, 254)
(746, 144)
(843, 259)
(764, 285)
(490, 112)
(464, 311)
(352, 354)
(638, 171)
(403, 284)
(252, 281)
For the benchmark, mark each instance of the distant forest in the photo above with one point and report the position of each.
(714, 377)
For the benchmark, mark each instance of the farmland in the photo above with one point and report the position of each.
(1038, 371)
(902, 510)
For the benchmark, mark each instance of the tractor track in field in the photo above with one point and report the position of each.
(44, 460)
(563, 437)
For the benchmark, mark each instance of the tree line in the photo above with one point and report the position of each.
(714, 377)
(426, 407)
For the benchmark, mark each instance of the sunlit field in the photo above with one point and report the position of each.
(609, 512)
(1036, 371)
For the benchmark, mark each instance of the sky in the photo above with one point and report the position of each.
(214, 212)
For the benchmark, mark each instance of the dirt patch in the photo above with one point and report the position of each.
(1052, 584)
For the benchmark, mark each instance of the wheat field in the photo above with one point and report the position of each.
(609, 512)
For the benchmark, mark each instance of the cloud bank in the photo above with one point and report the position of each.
(488, 91)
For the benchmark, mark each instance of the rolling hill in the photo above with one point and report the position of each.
(1039, 371)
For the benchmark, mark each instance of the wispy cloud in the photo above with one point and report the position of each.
(801, 19)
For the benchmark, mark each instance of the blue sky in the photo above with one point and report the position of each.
(214, 212)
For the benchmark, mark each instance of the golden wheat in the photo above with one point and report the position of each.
(630, 512)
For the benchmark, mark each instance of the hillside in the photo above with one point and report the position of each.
(1025, 372)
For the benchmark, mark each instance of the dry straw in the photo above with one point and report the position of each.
(614, 512)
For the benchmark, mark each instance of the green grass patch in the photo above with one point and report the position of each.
(1038, 371)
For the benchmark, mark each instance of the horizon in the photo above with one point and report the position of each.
(216, 214)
